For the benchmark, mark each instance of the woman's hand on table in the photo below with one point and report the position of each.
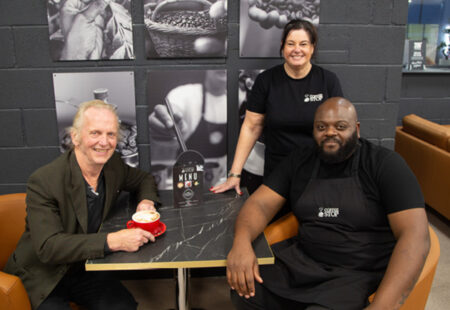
(230, 183)
(243, 270)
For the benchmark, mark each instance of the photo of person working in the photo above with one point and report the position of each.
(200, 113)
(67, 201)
(362, 225)
(90, 29)
(282, 103)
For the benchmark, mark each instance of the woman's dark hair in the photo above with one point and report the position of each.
(297, 24)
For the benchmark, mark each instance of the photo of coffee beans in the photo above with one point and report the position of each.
(188, 19)
(186, 28)
(270, 13)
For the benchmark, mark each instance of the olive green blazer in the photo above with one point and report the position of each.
(57, 218)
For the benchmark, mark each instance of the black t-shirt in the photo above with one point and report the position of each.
(385, 177)
(289, 106)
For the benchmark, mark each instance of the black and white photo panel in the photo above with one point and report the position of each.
(115, 88)
(262, 21)
(90, 29)
(185, 28)
(198, 101)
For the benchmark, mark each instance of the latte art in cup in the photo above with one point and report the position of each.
(148, 220)
(145, 216)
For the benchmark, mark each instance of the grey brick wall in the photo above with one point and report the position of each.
(362, 41)
(427, 95)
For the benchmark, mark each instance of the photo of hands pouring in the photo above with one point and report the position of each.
(148, 220)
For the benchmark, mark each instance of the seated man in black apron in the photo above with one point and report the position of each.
(363, 227)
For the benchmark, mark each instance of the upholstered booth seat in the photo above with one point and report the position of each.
(287, 227)
(425, 146)
(13, 295)
(12, 224)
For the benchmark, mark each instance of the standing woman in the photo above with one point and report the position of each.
(283, 101)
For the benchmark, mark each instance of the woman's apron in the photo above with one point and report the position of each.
(342, 249)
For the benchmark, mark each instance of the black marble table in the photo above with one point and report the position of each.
(197, 236)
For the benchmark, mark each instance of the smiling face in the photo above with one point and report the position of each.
(96, 140)
(297, 49)
(336, 130)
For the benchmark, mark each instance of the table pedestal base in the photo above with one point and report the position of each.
(183, 289)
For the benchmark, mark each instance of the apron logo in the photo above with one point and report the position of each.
(328, 212)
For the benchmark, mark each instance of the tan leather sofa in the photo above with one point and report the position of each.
(13, 295)
(12, 225)
(425, 146)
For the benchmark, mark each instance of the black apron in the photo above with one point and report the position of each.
(342, 249)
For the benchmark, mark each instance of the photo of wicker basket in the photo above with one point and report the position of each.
(178, 40)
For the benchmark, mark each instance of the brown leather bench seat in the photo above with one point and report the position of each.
(425, 146)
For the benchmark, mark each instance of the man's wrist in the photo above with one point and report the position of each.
(242, 242)
(106, 248)
(110, 242)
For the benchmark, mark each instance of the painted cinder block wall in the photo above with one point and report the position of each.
(427, 95)
(362, 41)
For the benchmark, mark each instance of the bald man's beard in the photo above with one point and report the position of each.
(344, 151)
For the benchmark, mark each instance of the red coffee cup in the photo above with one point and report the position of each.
(147, 220)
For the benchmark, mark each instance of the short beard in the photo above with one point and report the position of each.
(344, 151)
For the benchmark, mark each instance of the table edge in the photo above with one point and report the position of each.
(167, 265)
